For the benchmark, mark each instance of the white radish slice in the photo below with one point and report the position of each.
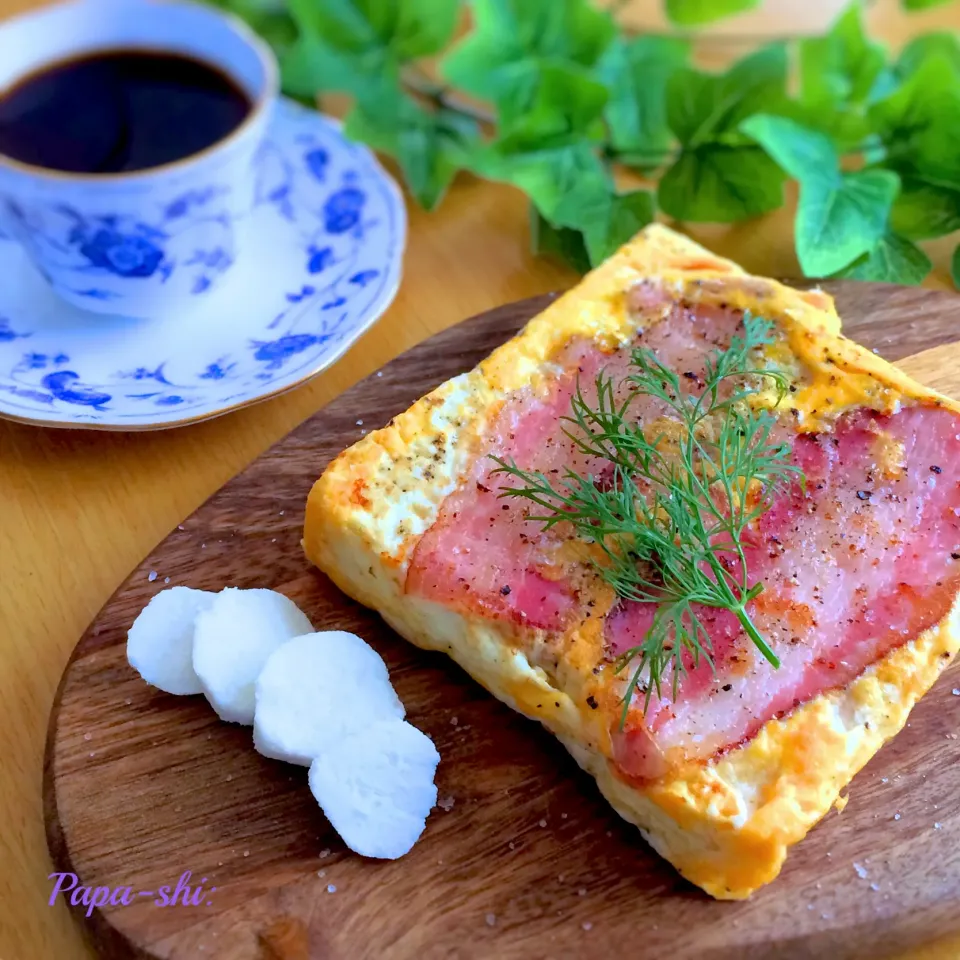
(315, 690)
(160, 642)
(234, 637)
(376, 787)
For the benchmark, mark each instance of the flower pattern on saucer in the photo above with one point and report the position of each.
(327, 232)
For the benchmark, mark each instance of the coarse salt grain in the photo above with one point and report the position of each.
(874, 887)
(446, 803)
(379, 373)
(166, 579)
(938, 826)
(454, 721)
(331, 888)
(587, 925)
(491, 919)
(582, 892)
(512, 845)
(324, 853)
(86, 736)
(152, 575)
(861, 871)
(543, 823)
(359, 423)
(956, 691)
(246, 853)
(321, 873)
(896, 816)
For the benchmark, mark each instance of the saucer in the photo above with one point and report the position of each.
(322, 263)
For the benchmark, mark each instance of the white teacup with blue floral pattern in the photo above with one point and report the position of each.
(145, 242)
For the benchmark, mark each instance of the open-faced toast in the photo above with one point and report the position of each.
(855, 554)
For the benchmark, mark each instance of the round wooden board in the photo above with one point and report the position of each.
(523, 859)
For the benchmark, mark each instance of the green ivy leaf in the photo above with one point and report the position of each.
(894, 259)
(718, 184)
(839, 221)
(607, 229)
(626, 214)
(310, 67)
(840, 216)
(430, 147)
(693, 13)
(919, 120)
(413, 28)
(553, 105)
(925, 210)
(847, 128)
(574, 196)
(313, 65)
(561, 243)
(421, 27)
(708, 108)
(358, 46)
(801, 152)
(918, 50)
(843, 66)
(511, 32)
(269, 18)
(840, 74)
(568, 184)
(955, 267)
(721, 175)
(636, 73)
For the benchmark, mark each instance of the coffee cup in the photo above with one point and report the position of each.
(147, 241)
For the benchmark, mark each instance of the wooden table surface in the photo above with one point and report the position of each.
(80, 509)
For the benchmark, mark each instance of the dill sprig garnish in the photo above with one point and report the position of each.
(670, 520)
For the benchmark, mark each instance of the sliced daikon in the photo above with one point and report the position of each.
(376, 787)
(233, 639)
(160, 642)
(317, 689)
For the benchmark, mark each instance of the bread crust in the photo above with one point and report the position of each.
(725, 825)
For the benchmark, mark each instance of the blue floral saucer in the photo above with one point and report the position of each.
(322, 264)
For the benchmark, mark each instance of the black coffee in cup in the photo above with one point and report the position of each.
(117, 111)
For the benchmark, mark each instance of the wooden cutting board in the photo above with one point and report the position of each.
(523, 859)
